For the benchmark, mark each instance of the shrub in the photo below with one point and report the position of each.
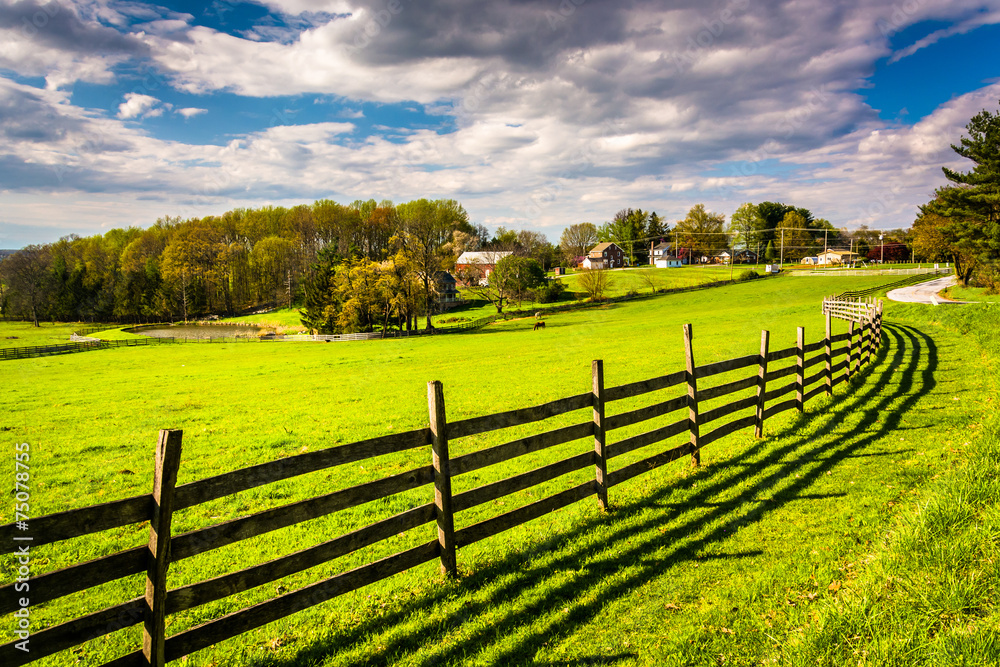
(744, 276)
(549, 292)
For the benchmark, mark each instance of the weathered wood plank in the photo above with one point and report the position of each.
(444, 513)
(828, 355)
(600, 438)
(780, 391)
(75, 578)
(692, 393)
(780, 373)
(726, 429)
(800, 339)
(219, 535)
(242, 621)
(510, 450)
(815, 377)
(840, 351)
(193, 595)
(778, 408)
(210, 488)
(50, 641)
(725, 410)
(644, 386)
(815, 347)
(728, 388)
(818, 359)
(167, 464)
(78, 522)
(644, 439)
(765, 341)
(651, 463)
(134, 659)
(498, 524)
(475, 425)
(778, 355)
(708, 370)
(643, 414)
(510, 485)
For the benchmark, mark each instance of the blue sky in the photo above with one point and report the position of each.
(534, 115)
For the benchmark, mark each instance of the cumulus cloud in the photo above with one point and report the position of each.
(555, 112)
(62, 42)
(190, 112)
(137, 105)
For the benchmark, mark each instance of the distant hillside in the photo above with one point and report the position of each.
(4, 253)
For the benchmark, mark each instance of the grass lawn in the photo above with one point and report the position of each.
(24, 334)
(978, 294)
(756, 556)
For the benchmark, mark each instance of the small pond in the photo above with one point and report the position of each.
(197, 331)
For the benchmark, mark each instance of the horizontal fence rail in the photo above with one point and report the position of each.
(677, 414)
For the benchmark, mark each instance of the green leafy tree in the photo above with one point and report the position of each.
(428, 227)
(795, 238)
(510, 280)
(576, 240)
(702, 231)
(770, 256)
(745, 226)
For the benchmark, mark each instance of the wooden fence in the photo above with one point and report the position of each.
(836, 358)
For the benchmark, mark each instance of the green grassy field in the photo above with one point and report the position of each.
(978, 294)
(24, 334)
(760, 555)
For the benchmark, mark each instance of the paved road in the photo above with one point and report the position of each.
(925, 292)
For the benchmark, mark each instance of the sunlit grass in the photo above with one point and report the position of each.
(740, 561)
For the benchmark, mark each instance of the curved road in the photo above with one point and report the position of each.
(925, 292)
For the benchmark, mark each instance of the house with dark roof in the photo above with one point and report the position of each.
(604, 256)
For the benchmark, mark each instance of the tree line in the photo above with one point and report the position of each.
(961, 223)
(771, 230)
(241, 261)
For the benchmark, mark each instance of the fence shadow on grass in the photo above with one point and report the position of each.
(524, 603)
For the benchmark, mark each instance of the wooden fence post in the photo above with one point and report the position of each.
(850, 349)
(692, 386)
(866, 327)
(600, 462)
(442, 478)
(828, 352)
(765, 340)
(167, 462)
(878, 325)
(800, 363)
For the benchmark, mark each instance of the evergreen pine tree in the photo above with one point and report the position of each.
(319, 313)
(769, 254)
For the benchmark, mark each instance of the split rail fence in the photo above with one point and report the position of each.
(835, 358)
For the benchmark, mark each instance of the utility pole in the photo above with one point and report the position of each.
(826, 258)
(881, 248)
(781, 260)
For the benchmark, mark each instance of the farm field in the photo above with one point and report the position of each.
(746, 559)
(24, 334)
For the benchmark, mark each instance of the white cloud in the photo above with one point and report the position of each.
(612, 108)
(137, 105)
(190, 112)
